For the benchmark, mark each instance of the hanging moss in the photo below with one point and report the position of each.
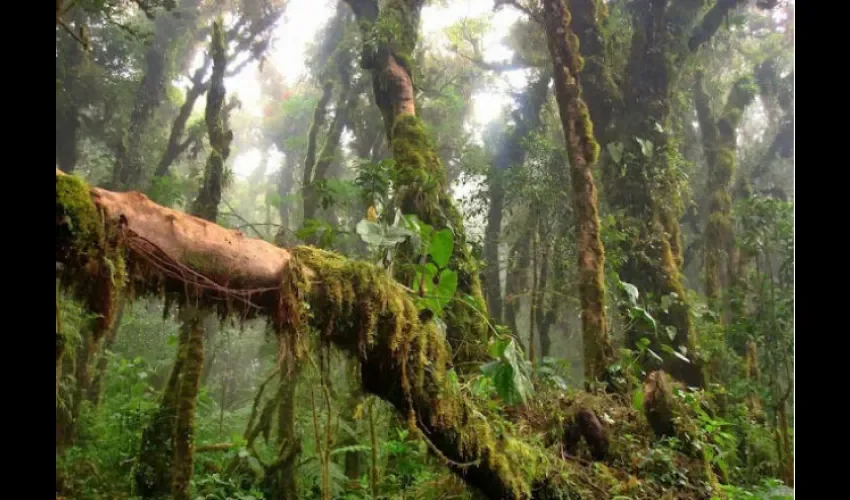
(367, 314)
(90, 249)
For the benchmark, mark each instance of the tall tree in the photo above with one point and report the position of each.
(583, 152)
(205, 207)
(720, 143)
(166, 457)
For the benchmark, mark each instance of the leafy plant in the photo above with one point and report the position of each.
(509, 371)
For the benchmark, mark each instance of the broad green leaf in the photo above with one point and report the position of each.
(447, 285)
(645, 146)
(643, 343)
(640, 313)
(631, 291)
(498, 345)
(430, 270)
(370, 232)
(395, 235)
(440, 249)
(615, 149)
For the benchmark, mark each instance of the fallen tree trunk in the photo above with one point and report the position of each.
(105, 240)
(364, 312)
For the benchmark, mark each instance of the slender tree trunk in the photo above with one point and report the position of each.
(205, 207)
(281, 477)
(517, 282)
(184, 427)
(319, 115)
(719, 136)
(492, 238)
(95, 391)
(545, 305)
(511, 154)
(68, 114)
(176, 145)
(583, 152)
(287, 181)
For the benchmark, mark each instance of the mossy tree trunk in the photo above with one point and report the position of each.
(643, 190)
(187, 400)
(205, 207)
(519, 262)
(288, 441)
(284, 188)
(319, 116)
(176, 145)
(719, 136)
(422, 187)
(583, 152)
(166, 457)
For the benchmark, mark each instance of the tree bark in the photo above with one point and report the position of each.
(583, 152)
(719, 137)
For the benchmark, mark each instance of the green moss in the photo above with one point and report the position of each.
(359, 308)
(74, 208)
(422, 190)
(95, 266)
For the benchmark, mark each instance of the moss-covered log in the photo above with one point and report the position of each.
(583, 152)
(364, 312)
(361, 310)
